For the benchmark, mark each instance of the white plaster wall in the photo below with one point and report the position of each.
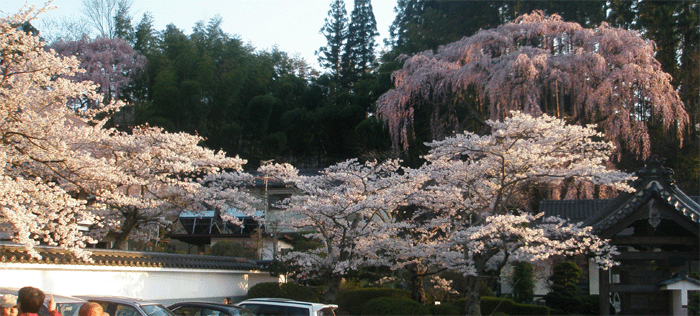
(157, 284)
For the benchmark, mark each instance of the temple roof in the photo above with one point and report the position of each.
(654, 181)
(101, 257)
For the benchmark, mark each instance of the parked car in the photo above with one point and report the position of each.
(126, 306)
(66, 305)
(208, 309)
(284, 307)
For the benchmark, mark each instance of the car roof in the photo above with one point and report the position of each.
(204, 304)
(60, 299)
(282, 301)
(117, 299)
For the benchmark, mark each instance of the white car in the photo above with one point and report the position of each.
(284, 307)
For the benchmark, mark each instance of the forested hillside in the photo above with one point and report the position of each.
(266, 104)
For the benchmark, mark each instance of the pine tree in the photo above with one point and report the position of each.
(122, 24)
(359, 51)
(336, 32)
(145, 36)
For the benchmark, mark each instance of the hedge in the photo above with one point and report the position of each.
(352, 301)
(285, 290)
(393, 306)
(506, 306)
(444, 309)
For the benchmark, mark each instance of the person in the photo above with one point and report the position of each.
(91, 309)
(227, 301)
(8, 305)
(30, 300)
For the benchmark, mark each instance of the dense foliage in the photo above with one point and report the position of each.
(353, 300)
(283, 290)
(393, 306)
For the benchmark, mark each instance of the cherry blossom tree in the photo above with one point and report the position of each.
(538, 64)
(350, 208)
(162, 171)
(476, 199)
(63, 168)
(110, 63)
(39, 141)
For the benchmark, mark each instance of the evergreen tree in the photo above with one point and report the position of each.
(122, 24)
(145, 36)
(362, 31)
(336, 32)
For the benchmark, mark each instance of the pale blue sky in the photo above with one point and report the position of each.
(292, 25)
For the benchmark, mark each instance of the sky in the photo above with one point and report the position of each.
(292, 25)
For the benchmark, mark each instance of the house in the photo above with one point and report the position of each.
(656, 230)
(207, 228)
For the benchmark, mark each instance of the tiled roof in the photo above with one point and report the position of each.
(572, 210)
(101, 257)
(653, 182)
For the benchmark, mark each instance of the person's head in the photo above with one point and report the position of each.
(30, 299)
(8, 305)
(91, 309)
(228, 301)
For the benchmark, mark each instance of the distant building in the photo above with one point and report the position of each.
(206, 229)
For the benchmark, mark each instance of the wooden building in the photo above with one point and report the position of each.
(656, 230)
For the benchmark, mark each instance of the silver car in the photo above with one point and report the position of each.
(126, 306)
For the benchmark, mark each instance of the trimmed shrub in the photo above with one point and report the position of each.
(299, 292)
(266, 289)
(495, 305)
(528, 309)
(444, 309)
(286, 290)
(522, 283)
(352, 301)
(489, 305)
(393, 306)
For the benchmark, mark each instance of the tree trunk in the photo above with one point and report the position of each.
(473, 304)
(417, 289)
(131, 221)
(332, 288)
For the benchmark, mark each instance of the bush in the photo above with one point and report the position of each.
(495, 305)
(444, 309)
(529, 309)
(286, 290)
(266, 289)
(299, 292)
(393, 306)
(522, 282)
(590, 305)
(352, 301)
(489, 305)
(563, 296)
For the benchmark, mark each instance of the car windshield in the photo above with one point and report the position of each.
(156, 310)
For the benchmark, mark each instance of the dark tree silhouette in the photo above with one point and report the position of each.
(362, 32)
(336, 32)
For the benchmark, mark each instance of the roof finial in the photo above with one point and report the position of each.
(654, 168)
